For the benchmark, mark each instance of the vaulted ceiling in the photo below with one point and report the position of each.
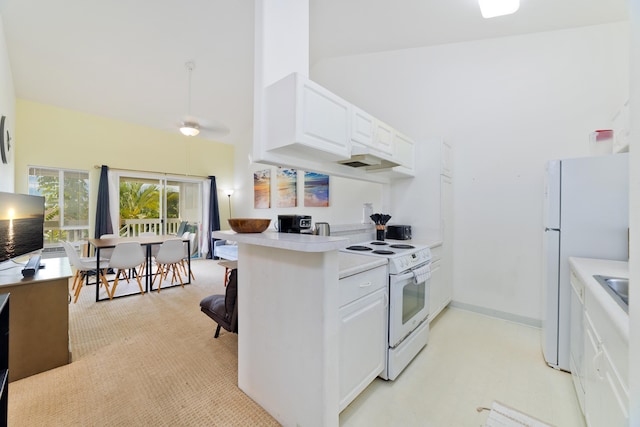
(126, 59)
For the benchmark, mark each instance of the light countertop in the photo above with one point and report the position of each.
(586, 268)
(288, 241)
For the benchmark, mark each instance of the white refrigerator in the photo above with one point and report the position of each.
(586, 214)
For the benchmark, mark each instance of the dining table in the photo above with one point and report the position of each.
(147, 242)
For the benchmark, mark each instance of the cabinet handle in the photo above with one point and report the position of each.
(365, 285)
(596, 362)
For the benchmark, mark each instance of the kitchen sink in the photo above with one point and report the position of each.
(618, 287)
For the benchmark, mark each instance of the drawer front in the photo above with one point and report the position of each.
(436, 253)
(361, 284)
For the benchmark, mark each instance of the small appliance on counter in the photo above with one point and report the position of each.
(294, 224)
(399, 232)
(322, 229)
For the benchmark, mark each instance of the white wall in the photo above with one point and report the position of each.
(346, 197)
(7, 109)
(507, 105)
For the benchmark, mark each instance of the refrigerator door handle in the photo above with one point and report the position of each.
(551, 229)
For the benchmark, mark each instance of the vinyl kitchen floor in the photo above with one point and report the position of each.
(470, 361)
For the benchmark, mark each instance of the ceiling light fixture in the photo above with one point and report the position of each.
(189, 129)
(493, 8)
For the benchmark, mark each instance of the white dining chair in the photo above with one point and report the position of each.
(127, 256)
(154, 248)
(106, 252)
(168, 260)
(82, 265)
(192, 241)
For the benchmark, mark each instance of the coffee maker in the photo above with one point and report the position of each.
(294, 224)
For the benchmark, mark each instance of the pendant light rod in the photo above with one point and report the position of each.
(190, 66)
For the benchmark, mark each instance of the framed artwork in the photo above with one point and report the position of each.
(316, 190)
(262, 189)
(287, 180)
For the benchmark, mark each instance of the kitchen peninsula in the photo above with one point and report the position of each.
(288, 340)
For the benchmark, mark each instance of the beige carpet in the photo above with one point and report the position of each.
(143, 360)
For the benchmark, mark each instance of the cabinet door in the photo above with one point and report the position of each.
(363, 343)
(404, 152)
(362, 126)
(446, 218)
(323, 120)
(383, 138)
(576, 356)
(446, 165)
(614, 396)
(436, 291)
(593, 375)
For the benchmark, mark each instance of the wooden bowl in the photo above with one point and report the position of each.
(249, 225)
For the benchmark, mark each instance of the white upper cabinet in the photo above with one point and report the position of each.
(362, 127)
(306, 124)
(306, 120)
(404, 151)
(383, 138)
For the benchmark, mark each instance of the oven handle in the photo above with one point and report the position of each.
(418, 275)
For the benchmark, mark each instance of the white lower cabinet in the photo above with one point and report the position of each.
(440, 292)
(363, 334)
(600, 368)
(577, 337)
(605, 394)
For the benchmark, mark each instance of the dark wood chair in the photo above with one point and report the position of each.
(223, 309)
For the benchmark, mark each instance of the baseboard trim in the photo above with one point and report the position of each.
(528, 321)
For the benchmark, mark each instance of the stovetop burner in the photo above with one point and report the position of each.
(379, 243)
(359, 248)
(383, 252)
(402, 246)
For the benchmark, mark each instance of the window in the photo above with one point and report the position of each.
(157, 203)
(66, 194)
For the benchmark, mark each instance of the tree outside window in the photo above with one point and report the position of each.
(66, 205)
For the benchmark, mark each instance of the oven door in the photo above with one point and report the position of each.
(408, 302)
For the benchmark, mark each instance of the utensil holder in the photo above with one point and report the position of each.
(380, 232)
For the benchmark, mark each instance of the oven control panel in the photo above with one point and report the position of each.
(407, 262)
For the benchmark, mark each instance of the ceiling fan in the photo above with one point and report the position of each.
(190, 125)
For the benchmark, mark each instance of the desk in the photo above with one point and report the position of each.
(148, 242)
(39, 317)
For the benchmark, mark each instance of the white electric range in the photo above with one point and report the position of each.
(409, 268)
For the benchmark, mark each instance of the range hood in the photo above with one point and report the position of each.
(361, 157)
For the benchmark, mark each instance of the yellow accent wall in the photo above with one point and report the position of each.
(50, 136)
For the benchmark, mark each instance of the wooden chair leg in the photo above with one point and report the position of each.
(105, 282)
(77, 293)
(140, 285)
(75, 279)
(184, 269)
(176, 269)
(217, 332)
(159, 271)
(115, 284)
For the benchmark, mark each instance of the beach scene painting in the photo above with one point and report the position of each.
(316, 190)
(262, 189)
(287, 180)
